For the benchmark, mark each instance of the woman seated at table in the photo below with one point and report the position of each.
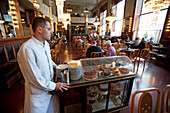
(142, 43)
(110, 49)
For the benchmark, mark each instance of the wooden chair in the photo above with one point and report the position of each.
(10, 52)
(142, 57)
(96, 54)
(165, 104)
(152, 51)
(133, 56)
(145, 103)
(16, 48)
(117, 46)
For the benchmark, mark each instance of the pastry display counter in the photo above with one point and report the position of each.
(105, 85)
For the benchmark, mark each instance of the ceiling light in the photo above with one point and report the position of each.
(111, 17)
(96, 23)
(1, 21)
(82, 14)
(69, 10)
(36, 4)
(75, 13)
(86, 10)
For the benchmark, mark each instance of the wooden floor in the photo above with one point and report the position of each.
(155, 75)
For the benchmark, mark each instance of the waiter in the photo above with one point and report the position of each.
(35, 62)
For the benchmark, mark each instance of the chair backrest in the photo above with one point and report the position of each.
(96, 54)
(165, 104)
(9, 51)
(134, 53)
(3, 58)
(16, 48)
(145, 103)
(144, 53)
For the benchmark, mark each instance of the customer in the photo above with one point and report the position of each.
(110, 49)
(35, 62)
(137, 42)
(127, 39)
(142, 43)
(93, 48)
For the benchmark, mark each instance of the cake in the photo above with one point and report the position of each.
(90, 75)
(124, 70)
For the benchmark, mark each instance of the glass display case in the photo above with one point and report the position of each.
(105, 85)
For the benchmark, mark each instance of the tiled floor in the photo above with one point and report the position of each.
(155, 75)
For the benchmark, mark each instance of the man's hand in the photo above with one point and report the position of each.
(61, 86)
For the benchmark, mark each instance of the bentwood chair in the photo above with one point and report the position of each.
(96, 54)
(165, 104)
(145, 102)
(133, 56)
(152, 51)
(142, 57)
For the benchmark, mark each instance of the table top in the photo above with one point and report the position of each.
(159, 47)
(126, 50)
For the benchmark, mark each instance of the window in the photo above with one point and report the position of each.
(103, 23)
(151, 24)
(116, 26)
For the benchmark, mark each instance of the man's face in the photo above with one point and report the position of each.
(46, 31)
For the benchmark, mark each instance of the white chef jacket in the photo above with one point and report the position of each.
(35, 62)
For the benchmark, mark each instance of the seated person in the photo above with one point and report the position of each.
(113, 39)
(110, 49)
(137, 42)
(142, 43)
(127, 40)
(91, 49)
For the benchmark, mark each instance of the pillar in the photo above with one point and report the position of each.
(19, 31)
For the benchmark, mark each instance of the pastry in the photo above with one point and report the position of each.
(106, 71)
(92, 96)
(115, 91)
(90, 75)
(124, 70)
(116, 72)
(116, 101)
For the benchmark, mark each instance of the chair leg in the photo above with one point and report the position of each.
(138, 65)
(144, 65)
(134, 66)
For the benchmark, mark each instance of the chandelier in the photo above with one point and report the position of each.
(156, 5)
(111, 18)
(86, 10)
(36, 4)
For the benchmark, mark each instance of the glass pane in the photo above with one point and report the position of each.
(97, 97)
(118, 94)
(151, 25)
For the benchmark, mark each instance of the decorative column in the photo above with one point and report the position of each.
(16, 17)
(86, 21)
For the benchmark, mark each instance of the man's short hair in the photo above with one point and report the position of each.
(38, 21)
(94, 42)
